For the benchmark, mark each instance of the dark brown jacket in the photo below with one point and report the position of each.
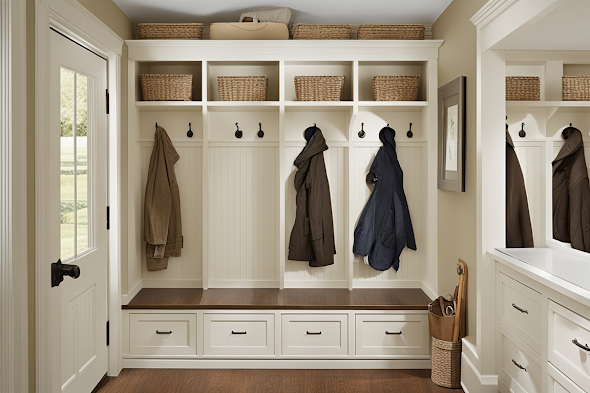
(519, 232)
(312, 237)
(571, 193)
(162, 223)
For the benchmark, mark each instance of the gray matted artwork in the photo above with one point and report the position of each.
(451, 136)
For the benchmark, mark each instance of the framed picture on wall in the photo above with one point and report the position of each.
(451, 136)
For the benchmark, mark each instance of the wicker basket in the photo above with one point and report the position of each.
(390, 32)
(446, 363)
(396, 88)
(169, 31)
(165, 87)
(575, 88)
(523, 88)
(319, 88)
(321, 32)
(242, 88)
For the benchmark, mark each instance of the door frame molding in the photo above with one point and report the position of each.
(75, 21)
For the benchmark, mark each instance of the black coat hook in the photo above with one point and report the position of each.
(410, 134)
(362, 131)
(260, 132)
(522, 133)
(239, 133)
(189, 133)
(156, 125)
(570, 124)
(392, 130)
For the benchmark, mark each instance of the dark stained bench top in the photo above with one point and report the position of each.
(275, 299)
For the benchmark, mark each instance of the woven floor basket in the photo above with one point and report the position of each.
(321, 32)
(575, 88)
(396, 88)
(242, 88)
(390, 32)
(166, 87)
(446, 363)
(319, 88)
(169, 31)
(523, 88)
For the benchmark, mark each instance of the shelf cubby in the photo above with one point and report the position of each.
(369, 69)
(193, 68)
(318, 68)
(270, 69)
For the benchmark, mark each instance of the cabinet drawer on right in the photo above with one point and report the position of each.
(394, 334)
(521, 311)
(559, 383)
(569, 344)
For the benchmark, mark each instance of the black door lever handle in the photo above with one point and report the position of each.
(59, 270)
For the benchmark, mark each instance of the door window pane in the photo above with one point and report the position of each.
(81, 163)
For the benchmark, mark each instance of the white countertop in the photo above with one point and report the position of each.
(561, 270)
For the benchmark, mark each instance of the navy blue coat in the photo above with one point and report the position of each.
(385, 227)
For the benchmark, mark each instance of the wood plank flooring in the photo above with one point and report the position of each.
(259, 298)
(261, 381)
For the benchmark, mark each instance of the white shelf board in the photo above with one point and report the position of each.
(167, 105)
(394, 105)
(547, 104)
(242, 103)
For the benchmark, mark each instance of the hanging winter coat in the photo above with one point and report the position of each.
(385, 227)
(162, 224)
(571, 193)
(519, 232)
(312, 237)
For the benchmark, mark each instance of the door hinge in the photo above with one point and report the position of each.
(108, 334)
(108, 217)
(108, 102)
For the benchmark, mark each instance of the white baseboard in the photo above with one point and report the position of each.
(243, 284)
(277, 364)
(473, 382)
(317, 284)
(172, 283)
(125, 299)
(385, 284)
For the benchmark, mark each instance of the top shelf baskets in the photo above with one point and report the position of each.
(321, 32)
(170, 31)
(390, 32)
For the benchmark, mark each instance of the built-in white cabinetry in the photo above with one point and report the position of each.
(543, 331)
(237, 195)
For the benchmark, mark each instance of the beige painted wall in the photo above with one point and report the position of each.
(457, 211)
(115, 19)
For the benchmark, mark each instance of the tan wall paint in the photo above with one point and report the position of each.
(457, 211)
(115, 19)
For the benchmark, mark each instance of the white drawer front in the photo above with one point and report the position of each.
(314, 334)
(521, 311)
(162, 334)
(239, 334)
(515, 358)
(559, 383)
(392, 335)
(566, 326)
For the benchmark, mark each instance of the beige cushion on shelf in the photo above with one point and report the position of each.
(248, 31)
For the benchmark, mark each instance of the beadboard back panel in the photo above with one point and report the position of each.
(187, 269)
(412, 159)
(531, 156)
(243, 206)
(299, 273)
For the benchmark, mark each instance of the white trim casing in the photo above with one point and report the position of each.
(71, 18)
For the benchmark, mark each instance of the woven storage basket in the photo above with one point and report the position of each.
(319, 88)
(575, 88)
(523, 88)
(390, 32)
(166, 87)
(446, 363)
(170, 31)
(396, 88)
(242, 88)
(321, 32)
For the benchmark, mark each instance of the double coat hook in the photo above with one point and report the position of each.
(238, 133)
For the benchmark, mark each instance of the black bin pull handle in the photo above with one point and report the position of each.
(585, 347)
(519, 366)
(244, 332)
(396, 333)
(313, 333)
(159, 332)
(522, 310)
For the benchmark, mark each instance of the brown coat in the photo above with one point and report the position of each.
(312, 237)
(519, 232)
(162, 223)
(571, 193)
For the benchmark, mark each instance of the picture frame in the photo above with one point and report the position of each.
(451, 136)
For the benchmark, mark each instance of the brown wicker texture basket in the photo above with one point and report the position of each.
(523, 88)
(321, 32)
(390, 32)
(169, 31)
(166, 87)
(396, 88)
(319, 88)
(446, 363)
(242, 88)
(575, 88)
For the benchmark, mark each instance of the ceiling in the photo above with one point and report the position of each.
(304, 11)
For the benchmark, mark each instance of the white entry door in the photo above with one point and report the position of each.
(77, 217)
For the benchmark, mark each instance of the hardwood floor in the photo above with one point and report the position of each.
(262, 381)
